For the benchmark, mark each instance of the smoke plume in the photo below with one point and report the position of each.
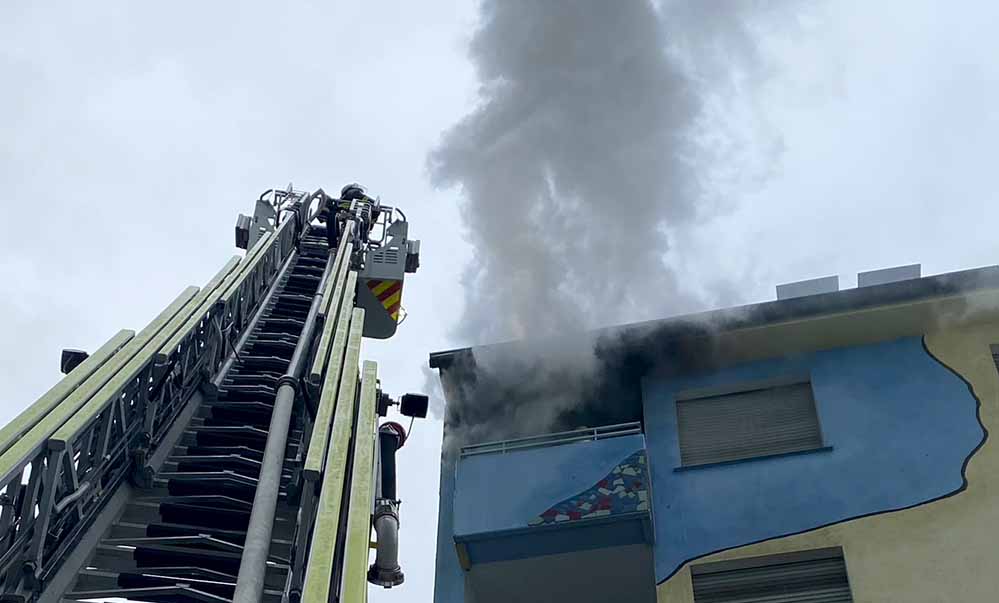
(603, 129)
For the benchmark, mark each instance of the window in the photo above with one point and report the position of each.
(747, 424)
(817, 576)
(995, 355)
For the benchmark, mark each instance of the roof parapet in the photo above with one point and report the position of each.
(884, 276)
(814, 286)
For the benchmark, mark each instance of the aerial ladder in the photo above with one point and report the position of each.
(231, 450)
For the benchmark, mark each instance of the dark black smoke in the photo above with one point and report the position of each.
(582, 379)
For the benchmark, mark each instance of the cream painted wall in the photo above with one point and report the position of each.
(941, 552)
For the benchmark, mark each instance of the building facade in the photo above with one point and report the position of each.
(824, 448)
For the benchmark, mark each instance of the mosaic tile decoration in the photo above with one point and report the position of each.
(623, 490)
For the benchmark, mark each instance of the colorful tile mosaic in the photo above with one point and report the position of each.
(623, 490)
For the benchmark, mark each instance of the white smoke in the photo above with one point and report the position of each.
(602, 129)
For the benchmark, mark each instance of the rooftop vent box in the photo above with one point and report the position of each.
(826, 284)
(888, 275)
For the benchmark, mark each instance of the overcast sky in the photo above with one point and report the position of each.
(133, 135)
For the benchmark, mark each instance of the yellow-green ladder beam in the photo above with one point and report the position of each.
(325, 531)
(263, 247)
(338, 289)
(175, 326)
(21, 451)
(234, 273)
(22, 424)
(316, 452)
(362, 491)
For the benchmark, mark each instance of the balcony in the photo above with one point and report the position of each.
(579, 499)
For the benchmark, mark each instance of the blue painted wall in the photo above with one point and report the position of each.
(500, 492)
(449, 582)
(900, 425)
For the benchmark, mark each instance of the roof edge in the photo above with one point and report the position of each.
(798, 309)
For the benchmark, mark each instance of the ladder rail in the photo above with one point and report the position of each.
(256, 550)
(49, 476)
(320, 568)
(54, 397)
(362, 490)
(87, 443)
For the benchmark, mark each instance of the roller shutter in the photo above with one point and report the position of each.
(748, 424)
(804, 577)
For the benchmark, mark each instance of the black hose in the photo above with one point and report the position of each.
(390, 440)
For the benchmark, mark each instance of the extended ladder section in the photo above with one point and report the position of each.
(226, 452)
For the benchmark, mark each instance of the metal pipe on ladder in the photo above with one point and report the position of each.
(256, 549)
